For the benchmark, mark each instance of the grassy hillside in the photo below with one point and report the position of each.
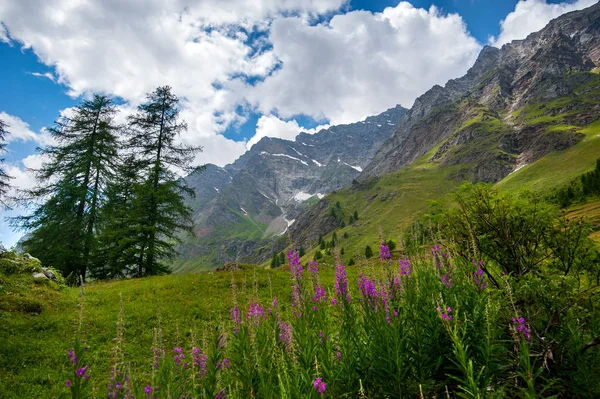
(34, 344)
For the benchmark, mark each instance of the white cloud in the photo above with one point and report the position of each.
(3, 34)
(46, 75)
(361, 63)
(18, 130)
(531, 16)
(272, 126)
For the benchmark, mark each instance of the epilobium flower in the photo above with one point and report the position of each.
(72, 356)
(520, 327)
(445, 315)
(319, 385)
(447, 280)
(199, 360)
(148, 391)
(221, 395)
(384, 251)
(478, 276)
(285, 336)
(341, 283)
(68, 383)
(313, 267)
(319, 293)
(405, 267)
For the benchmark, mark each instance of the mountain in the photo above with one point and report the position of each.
(248, 204)
(473, 119)
(528, 103)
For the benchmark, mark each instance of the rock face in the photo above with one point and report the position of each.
(259, 195)
(538, 69)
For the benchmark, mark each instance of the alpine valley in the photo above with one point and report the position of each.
(525, 116)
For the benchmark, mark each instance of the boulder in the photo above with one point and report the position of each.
(29, 257)
(49, 273)
(40, 276)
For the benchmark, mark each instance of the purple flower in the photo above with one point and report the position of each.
(81, 371)
(478, 276)
(445, 315)
(384, 251)
(148, 390)
(178, 355)
(72, 356)
(333, 301)
(447, 280)
(319, 385)
(224, 364)
(319, 293)
(313, 267)
(405, 267)
(255, 313)
(274, 304)
(295, 265)
(341, 283)
(68, 383)
(199, 360)
(521, 327)
(221, 395)
(285, 336)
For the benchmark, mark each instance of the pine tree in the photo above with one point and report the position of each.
(368, 252)
(301, 252)
(318, 255)
(4, 177)
(275, 262)
(118, 250)
(164, 215)
(355, 215)
(282, 259)
(71, 185)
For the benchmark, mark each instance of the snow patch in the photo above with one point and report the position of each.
(284, 155)
(216, 189)
(318, 164)
(296, 151)
(378, 125)
(243, 210)
(302, 196)
(320, 195)
(354, 167)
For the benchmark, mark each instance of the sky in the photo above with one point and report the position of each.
(243, 69)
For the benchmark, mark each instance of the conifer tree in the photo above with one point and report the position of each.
(119, 240)
(4, 177)
(163, 213)
(69, 195)
(368, 252)
(275, 262)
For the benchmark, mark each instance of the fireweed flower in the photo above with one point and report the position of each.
(223, 364)
(445, 315)
(333, 301)
(319, 385)
(447, 280)
(341, 283)
(148, 390)
(221, 395)
(72, 356)
(478, 276)
(178, 356)
(274, 304)
(236, 317)
(384, 252)
(520, 327)
(295, 265)
(285, 336)
(405, 267)
(319, 293)
(68, 383)
(199, 360)
(313, 267)
(159, 353)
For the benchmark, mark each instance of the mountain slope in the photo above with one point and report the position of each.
(500, 82)
(533, 102)
(249, 203)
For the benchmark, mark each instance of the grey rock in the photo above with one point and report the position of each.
(49, 273)
(40, 276)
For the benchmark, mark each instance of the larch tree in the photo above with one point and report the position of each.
(163, 215)
(4, 177)
(66, 202)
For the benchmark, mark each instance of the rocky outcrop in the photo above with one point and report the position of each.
(502, 80)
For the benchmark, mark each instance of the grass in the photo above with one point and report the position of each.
(557, 168)
(33, 360)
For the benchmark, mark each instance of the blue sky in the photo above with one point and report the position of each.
(246, 71)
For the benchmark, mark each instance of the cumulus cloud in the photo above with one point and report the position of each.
(361, 63)
(18, 130)
(271, 126)
(531, 16)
